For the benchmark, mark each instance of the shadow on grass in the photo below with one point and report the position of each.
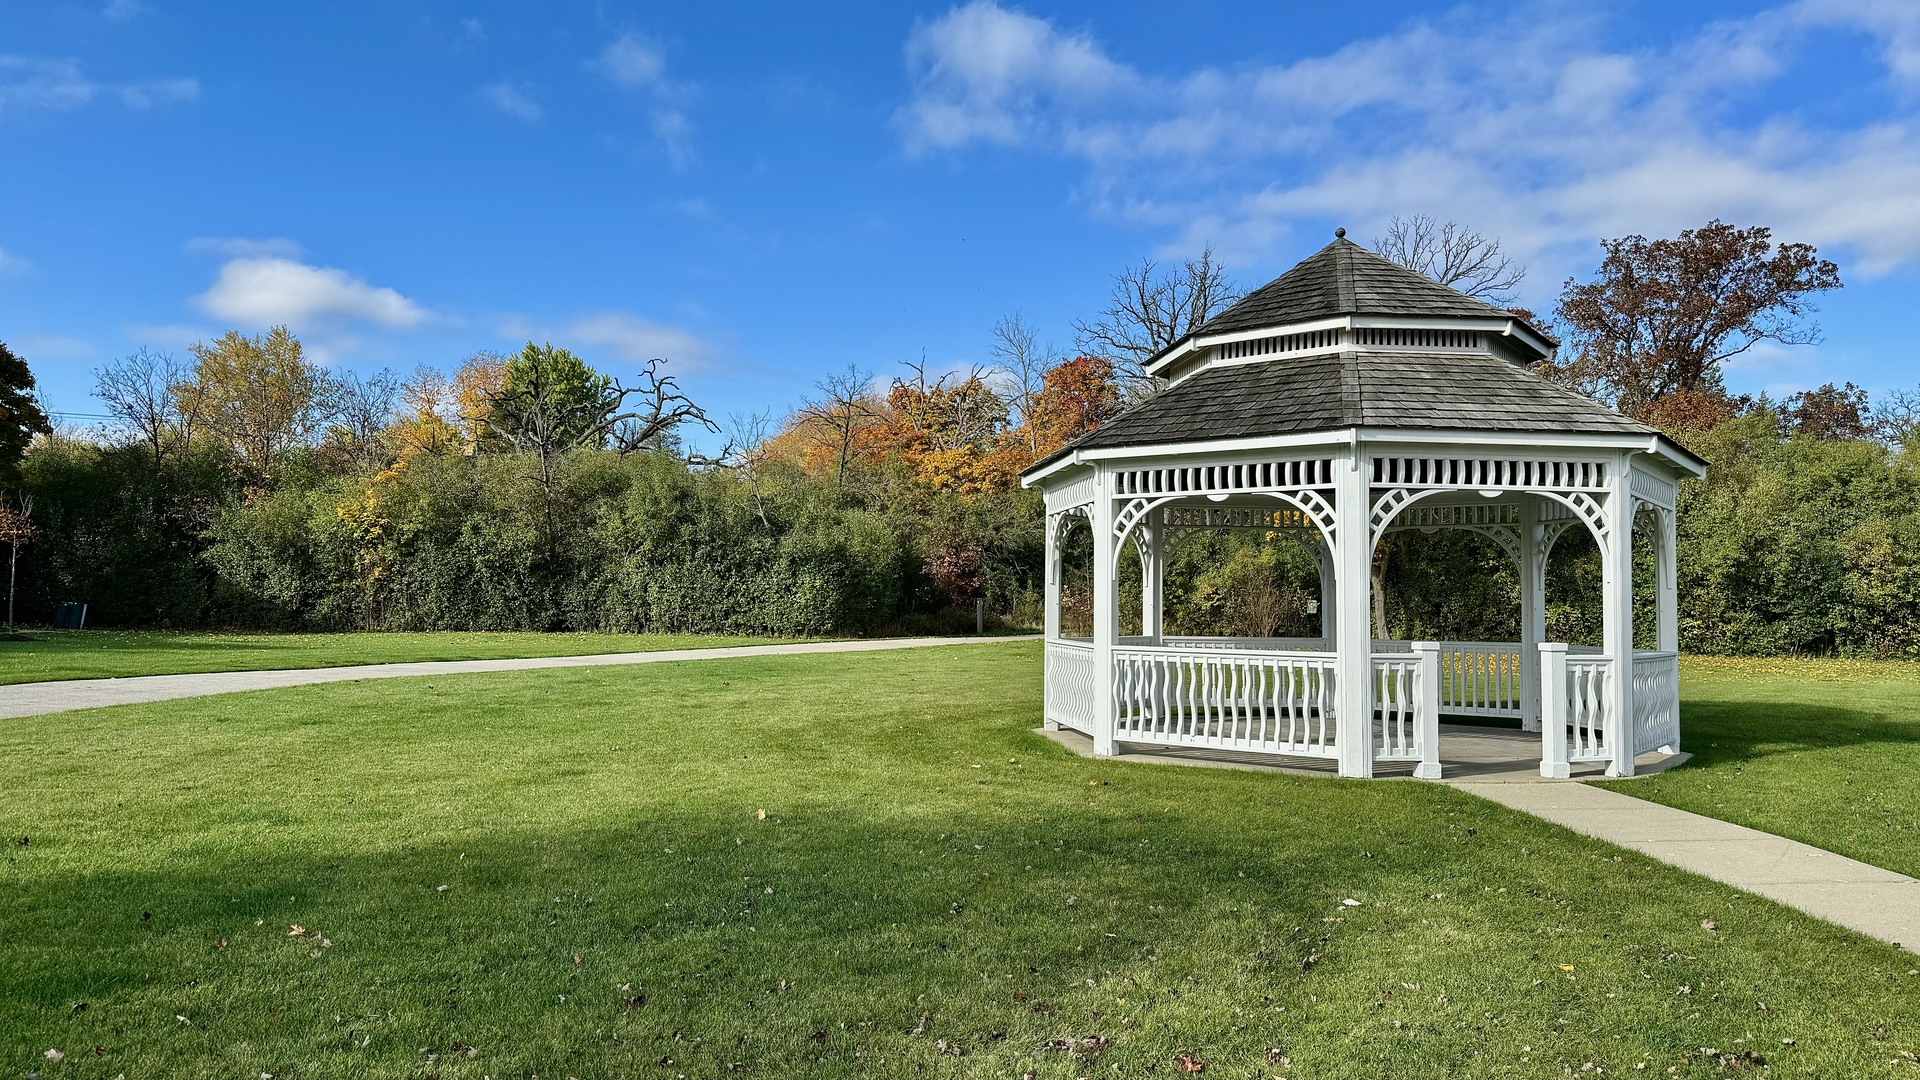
(1725, 731)
(869, 938)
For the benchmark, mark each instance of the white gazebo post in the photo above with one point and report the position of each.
(1051, 616)
(1353, 632)
(1533, 609)
(1617, 616)
(1153, 576)
(1329, 591)
(1106, 612)
(1668, 583)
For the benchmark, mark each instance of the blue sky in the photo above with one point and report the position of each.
(763, 193)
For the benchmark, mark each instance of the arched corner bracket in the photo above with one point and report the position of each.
(1591, 512)
(1062, 519)
(1132, 513)
(1143, 543)
(1385, 509)
(1506, 536)
(1549, 534)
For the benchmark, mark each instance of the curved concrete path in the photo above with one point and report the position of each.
(36, 699)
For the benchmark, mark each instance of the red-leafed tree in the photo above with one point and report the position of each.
(1662, 317)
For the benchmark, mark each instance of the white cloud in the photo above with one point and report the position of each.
(675, 133)
(265, 291)
(245, 247)
(513, 101)
(33, 82)
(13, 264)
(617, 335)
(1549, 141)
(474, 29)
(637, 64)
(633, 61)
(124, 10)
(983, 73)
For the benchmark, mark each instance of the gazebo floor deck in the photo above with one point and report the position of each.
(1467, 752)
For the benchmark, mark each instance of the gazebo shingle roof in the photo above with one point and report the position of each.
(1344, 278)
(1348, 388)
(1331, 391)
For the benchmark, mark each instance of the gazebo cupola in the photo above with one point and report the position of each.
(1349, 398)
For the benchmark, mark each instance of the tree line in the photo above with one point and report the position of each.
(242, 485)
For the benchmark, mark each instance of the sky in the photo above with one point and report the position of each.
(763, 193)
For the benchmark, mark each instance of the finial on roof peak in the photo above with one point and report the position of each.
(1340, 234)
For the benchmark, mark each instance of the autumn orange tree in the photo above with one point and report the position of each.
(949, 429)
(1075, 397)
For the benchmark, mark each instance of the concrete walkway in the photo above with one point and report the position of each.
(35, 699)
(1503, 765)
(1875, 902)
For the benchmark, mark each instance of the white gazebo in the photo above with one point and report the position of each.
(1347, 399)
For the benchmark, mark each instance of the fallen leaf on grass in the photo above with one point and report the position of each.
(1278, 1059)
(55, 1055)
(1187, 1063)
(1085, 1048)
(296, 931)
(1709, 925)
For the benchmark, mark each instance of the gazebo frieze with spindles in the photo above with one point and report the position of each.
(1348, 399)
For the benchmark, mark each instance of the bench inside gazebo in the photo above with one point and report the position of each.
(1349, 399)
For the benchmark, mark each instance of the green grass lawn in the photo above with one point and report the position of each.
(105, 654)
(568, 873)
(1823, 751)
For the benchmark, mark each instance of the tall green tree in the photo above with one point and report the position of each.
(20, 415)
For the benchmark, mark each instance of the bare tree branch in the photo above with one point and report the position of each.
(364, 407)
(845, 406)
(1454, 256)
(746, 454)
(1018, 355)
(141, 391)
(1152, 308)
(659, 410)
